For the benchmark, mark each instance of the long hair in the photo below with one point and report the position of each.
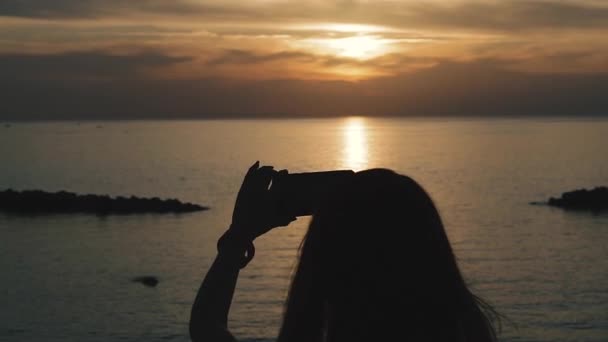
(375, 265)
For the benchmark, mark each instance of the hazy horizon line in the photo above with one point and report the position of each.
(245, 117)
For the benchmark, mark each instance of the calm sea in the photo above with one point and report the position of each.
(68, 277)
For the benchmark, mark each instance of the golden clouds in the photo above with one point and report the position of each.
(320, 39)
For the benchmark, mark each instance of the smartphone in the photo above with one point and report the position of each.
(299, 194)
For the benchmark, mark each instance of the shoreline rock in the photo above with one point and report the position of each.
(149, 281)
(595, 199)
(62, 202)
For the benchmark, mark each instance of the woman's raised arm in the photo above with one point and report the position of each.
(254, 214)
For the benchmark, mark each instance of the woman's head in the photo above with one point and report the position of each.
(376, 261)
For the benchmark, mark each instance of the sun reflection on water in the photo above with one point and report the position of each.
(355, 151)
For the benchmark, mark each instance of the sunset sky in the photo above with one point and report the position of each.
(196, 58)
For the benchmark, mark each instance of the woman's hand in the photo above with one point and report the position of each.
(255, 211)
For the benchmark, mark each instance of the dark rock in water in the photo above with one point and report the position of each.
(41, 202)
(150, 281)
(583, 199)
(538, 203)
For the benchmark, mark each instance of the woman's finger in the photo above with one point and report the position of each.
(252, 169)
(264, 176)
(247, 180)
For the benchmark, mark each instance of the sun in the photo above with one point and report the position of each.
(346, 51)
(357, 47)
(360, 47)
(354, 41)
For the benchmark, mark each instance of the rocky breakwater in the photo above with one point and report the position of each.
(595, 199)
(41, 202)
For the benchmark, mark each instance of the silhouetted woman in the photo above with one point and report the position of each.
(375, 265)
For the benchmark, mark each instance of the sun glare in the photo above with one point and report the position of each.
(359, 47)
(355, 151)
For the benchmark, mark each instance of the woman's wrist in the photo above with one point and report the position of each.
(233, 244)
(233, 238)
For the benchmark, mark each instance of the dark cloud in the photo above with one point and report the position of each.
(91, 65)
(236, 56)
(484, 88)
(56, 33)
(101, 8)
(483, 15)
(388, 62)
(474, 15)
(511, 15)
